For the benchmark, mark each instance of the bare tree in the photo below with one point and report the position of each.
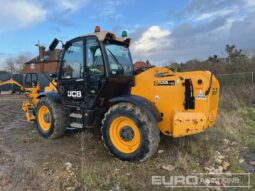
(15, 65)
(20, 61)
(10, 65)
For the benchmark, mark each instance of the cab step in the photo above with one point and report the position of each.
(76, 115)
(76, 125)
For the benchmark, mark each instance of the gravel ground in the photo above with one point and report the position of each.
(28, 161)
(79, 161)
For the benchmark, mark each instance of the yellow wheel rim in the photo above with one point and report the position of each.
(44, 118)
(124, 134)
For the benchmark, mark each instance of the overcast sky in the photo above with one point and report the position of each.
(162, 30)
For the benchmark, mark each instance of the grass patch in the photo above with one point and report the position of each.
(235, 166)
(91, 181)
(248, 131)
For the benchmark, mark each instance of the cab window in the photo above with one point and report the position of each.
(31, 80)
(94, 57)
(94, 64)
(73, 66)
(119, 59)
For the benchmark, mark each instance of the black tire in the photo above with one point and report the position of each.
(149, 133)
(58, 119)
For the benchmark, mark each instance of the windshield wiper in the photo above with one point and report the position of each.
(116, 60)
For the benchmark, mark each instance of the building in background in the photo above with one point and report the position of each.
(39, 65)
(43, 68)
(141, 66)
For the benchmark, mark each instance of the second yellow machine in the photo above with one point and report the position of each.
(96, 86)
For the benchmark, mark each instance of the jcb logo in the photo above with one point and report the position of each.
(164, 83)
(74, 94)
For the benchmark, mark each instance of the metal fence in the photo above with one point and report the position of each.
(244, 78)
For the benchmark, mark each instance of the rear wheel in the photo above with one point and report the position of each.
(50, 118)
(128, 133)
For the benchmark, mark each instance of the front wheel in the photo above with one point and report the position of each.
(50, 118)
(129, 134)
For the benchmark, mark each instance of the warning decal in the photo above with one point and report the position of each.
(200, 95)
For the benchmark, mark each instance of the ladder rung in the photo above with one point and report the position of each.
(76, 125)
(76, 115)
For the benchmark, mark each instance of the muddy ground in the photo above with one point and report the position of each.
(79, 160)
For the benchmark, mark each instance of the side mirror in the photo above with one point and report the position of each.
(54, 44)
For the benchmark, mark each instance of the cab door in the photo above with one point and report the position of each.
(71, 83)
(95, 70)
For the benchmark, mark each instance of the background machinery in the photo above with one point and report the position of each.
(96, 86)
(31, 90)
(11, 82)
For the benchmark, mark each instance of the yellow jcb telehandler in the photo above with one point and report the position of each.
(96, 86)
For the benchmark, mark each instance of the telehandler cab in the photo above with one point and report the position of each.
(96, 86)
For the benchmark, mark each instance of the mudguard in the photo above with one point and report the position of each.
(54, 96)
(141, 102)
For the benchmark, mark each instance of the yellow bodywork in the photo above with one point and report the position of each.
(169, 99)
(11, 81)
(29, 104)
(32, 94)
(52, 86)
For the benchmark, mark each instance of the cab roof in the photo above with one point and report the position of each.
(104, 35)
